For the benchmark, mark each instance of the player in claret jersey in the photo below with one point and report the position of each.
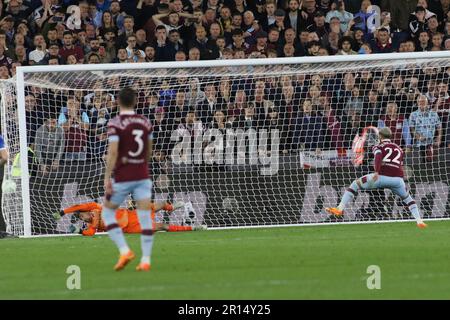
(388, 175)
(129, 151)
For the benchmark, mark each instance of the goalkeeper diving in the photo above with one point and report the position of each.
(128, 221)
(388, 174)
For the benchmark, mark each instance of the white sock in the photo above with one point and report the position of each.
(114, 231)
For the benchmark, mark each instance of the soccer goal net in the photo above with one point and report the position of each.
(242, 143)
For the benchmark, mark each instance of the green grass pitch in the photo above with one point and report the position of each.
(323, 262)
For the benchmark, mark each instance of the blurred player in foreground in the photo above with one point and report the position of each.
(388, 175)
(130, 144)
(90, 213)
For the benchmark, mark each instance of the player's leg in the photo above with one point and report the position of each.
(120, 191)
(142, 195)
(364, 183)
(399, 188)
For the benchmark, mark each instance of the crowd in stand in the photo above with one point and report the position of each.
(316, 111)
(322, 111)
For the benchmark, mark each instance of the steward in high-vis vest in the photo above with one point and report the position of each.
(16, 170)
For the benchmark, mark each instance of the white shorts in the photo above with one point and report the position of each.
(140, 190)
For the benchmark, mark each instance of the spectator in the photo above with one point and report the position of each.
(280, 22)
(75, 123)
(161, 134)
(165, 50)
(424, 4)
(208, 49)
(174, 21)
(133, 53)
(219, 121)
(398, 125)
(179, 56)
(309, 129)
(225, 20)
(290, 38)
(423, 43)
(333, 136)
(206, 108)
(215, 31)
(248, 120)
(294, 16)
(433, 25)
(426, 128)
(178, 110)
(418, 22)
(308, 11)
(107, 23)
(53, 53)
(125, 31)
(320, 27)
(268, 18)
(382, 43)
(345, 46)
(372, 109)
(194, 54)
(49, 146)
(273, 39)
(251, 27)
(436, 42)
(70, 49)
(338, 11)
(362, 17)
(355, 103)
(41, 50)
(238, 41)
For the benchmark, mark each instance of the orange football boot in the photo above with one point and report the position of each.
(143, 267)
(124, 260)
(334, 211)
(422, 225)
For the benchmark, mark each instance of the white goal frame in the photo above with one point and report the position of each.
(22, 71)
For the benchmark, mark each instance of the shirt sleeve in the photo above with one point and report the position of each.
(113, 133)
(85, 207)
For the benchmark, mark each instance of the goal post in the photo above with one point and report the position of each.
(243, 143)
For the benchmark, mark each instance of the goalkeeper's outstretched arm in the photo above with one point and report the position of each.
(84, 207)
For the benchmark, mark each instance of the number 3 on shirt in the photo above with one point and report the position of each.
(387, 158)
(138, 138)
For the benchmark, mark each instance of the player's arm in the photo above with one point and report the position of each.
(111, 159)
(84, 207)
(157, 18)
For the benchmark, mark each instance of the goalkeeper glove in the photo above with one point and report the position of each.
(75, 229)
(58, 215)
